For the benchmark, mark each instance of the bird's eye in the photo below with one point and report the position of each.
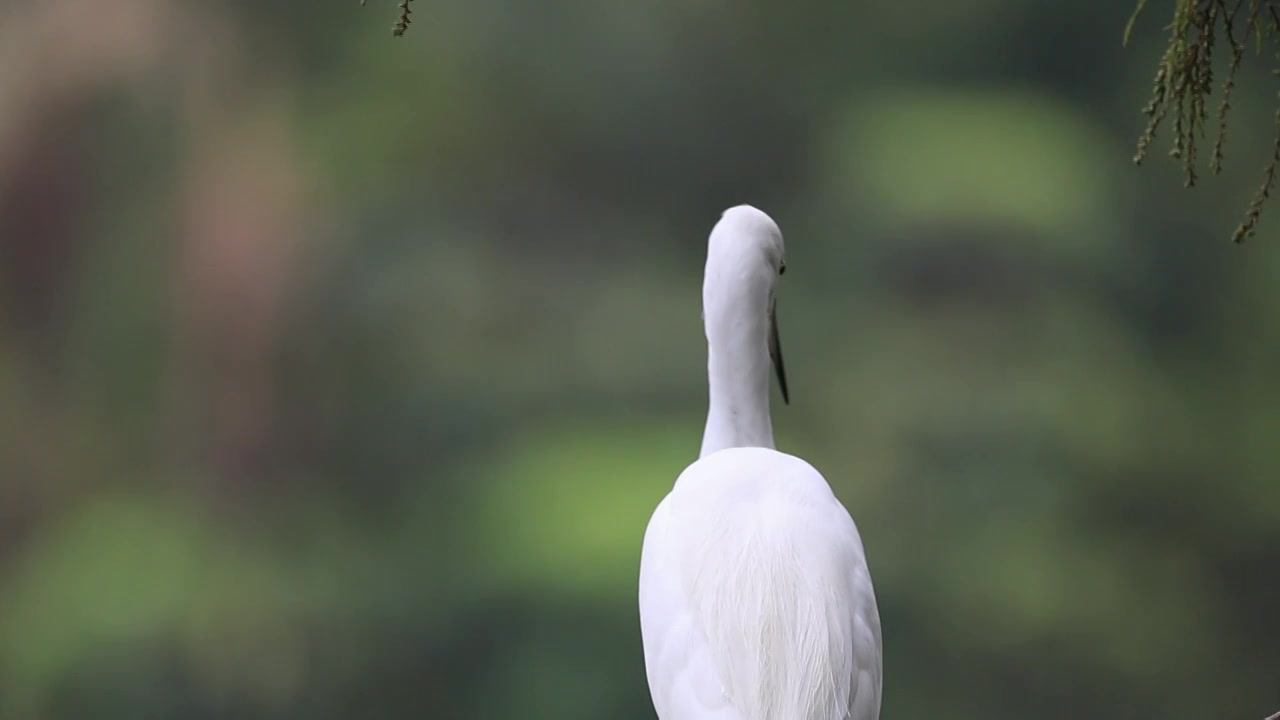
(782, 269)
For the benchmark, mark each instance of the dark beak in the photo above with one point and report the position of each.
(775, 351)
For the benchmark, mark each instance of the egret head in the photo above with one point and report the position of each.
(750, 234)
(745, 257)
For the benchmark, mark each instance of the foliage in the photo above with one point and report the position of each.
(1185, 79)
(402, 23)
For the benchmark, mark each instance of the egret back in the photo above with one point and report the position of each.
(754, 572)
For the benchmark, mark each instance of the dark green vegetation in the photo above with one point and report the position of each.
(339, 376)
(1185, 81)
(402, 22)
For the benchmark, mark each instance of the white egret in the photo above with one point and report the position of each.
(755, 599)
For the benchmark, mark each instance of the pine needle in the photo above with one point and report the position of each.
(402, 24)
(1128, 27)
(1184, 80)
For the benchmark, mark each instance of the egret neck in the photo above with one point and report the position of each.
(744, 257)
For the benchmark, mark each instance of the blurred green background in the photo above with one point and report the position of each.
(339, 374)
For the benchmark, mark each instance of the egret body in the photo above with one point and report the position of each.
(755, 599)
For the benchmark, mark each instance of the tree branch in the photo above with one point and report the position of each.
(402, 23)
(1184, 80)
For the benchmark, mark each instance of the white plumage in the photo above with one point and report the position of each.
(755, 600)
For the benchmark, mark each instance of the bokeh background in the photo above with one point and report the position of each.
(340, 373)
